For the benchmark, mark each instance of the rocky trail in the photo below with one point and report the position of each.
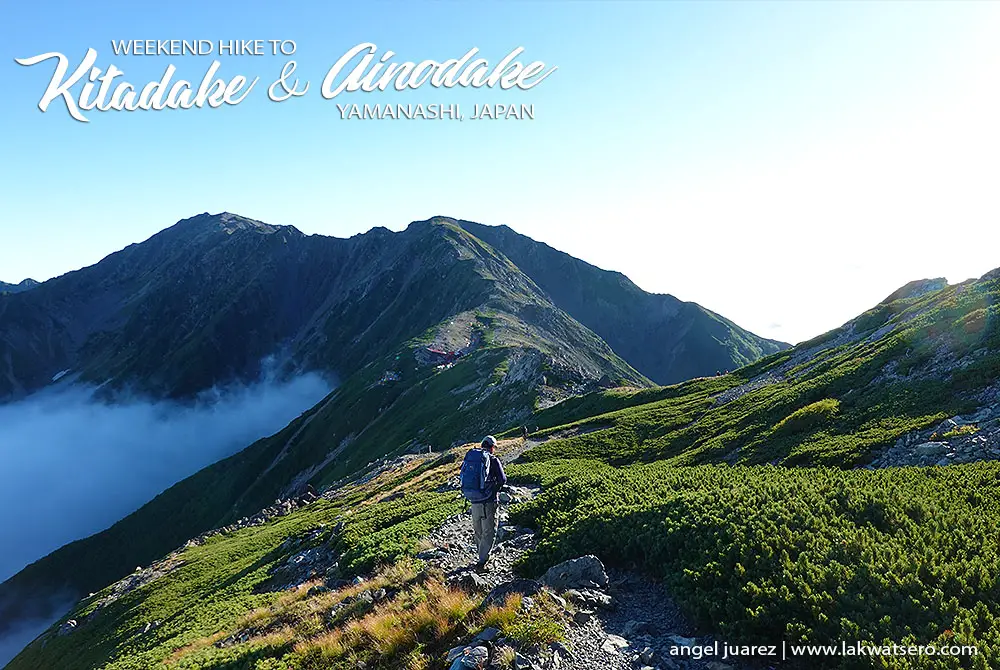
(616, 620)
(613, 620)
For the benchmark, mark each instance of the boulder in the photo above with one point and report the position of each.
(468, 581)
(613, 643)
(468, 657)
(522, 662)
(931, 449)
(590, 598)
(560, 648)
(488, 634)
(583, 572)
(506, 532)
(317, 590)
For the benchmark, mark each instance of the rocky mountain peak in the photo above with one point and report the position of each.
(917, 288)
(231, 223)
(23, 285)
(228, 223)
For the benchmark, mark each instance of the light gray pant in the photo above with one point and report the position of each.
(484, 527)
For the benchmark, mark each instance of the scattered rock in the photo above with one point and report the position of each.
(613, 643)
(931, 449)
(575, 573)
(67, 627)
(522, 662)
(590, 598)
(468, 581)
(302, 565)
(468, 657)
(636, 628)
(488, 634)
(682, 641)
(960, 439)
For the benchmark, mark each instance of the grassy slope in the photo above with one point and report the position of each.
(758, 552)
(763, 554)
(941, 350)
(663, 337)
(377, 419)
(360, 422)
(221, 580)
(364, 420)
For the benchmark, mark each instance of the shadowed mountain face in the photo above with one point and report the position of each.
(203, 302)
(627, 475)
(449, 330)
(437, 336)
(666, 339)
(17, 288)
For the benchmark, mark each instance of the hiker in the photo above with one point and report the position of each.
(482, 477)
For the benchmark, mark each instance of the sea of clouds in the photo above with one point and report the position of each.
(71, 465)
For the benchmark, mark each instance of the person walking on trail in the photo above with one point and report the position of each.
(482, 477)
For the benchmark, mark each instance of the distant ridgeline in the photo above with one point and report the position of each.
(754, 495)
(19, 287)
(435, 334)
(694, 483)
(203, 302)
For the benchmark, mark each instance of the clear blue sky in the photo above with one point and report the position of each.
(785, 164)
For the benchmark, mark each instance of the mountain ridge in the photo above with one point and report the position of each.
(753, 496)
(436, 335)
(23, 285)
(618, 308)
(111, 323)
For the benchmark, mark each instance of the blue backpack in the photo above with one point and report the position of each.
(475, 471)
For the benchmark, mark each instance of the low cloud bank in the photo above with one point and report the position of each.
(71, 466)
(21, 633)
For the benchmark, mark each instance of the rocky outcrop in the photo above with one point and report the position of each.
(665, 338)
(586, 572)
(20, 287)
(614, 622)
(960, 439)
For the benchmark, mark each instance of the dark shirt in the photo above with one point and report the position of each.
(496, 479)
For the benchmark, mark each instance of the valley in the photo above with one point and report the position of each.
(841, 490)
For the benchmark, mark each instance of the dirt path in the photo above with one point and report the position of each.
(637, 631)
